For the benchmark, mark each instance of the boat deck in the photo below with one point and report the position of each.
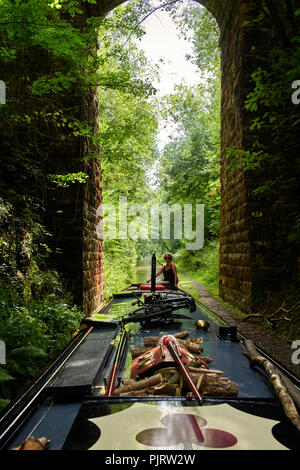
(72, 413)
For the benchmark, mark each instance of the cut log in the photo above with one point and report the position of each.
(126, 382)
(292, 389)
(163, 390)
(139, 385)
(214, 385)
(201, 360)
(171, 375)
(136, 352)
(153, 340)
(196, 341)
(198, 385)
(199, 370)
(275, 380)
(182, 335)
(191, 347)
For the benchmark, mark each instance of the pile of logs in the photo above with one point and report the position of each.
(170, 382)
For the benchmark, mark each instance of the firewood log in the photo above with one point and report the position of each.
(170, 374)
(182, 335)
(199, 361)
(165, 389)
(198, 370)
(214, 385)
(152, 341)
(126, 382)
(139, 385)
(276, 381)
(191, 347)
(136, 352)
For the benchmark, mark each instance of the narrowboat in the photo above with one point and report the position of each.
(156, 371)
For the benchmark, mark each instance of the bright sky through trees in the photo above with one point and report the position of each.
(163, 46)
(162, 41)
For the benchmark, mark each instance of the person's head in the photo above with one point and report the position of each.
(168, 257)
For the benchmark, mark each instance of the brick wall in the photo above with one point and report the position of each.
(93, 247)
(248, 256)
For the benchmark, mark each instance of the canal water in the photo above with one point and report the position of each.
(143, 270)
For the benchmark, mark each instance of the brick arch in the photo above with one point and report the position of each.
(244, 251)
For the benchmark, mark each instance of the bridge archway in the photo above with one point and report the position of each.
(245, 261)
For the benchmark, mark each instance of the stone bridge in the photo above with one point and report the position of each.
(250, 259)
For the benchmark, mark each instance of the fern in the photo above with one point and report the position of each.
(28, 352)
(3, 403)
(4, 376)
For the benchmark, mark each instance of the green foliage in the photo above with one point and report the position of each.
(65, 180)
(33, 335)
(36, 318)
(198, 26)
(190, 162)
(127, 132)
(120, 262)
(189, 166)
(202, 266)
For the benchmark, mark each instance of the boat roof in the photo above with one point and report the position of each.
(71, 412)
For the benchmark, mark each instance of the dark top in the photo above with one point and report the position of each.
(169, 275)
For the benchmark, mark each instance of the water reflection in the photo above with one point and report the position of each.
(143, 269)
